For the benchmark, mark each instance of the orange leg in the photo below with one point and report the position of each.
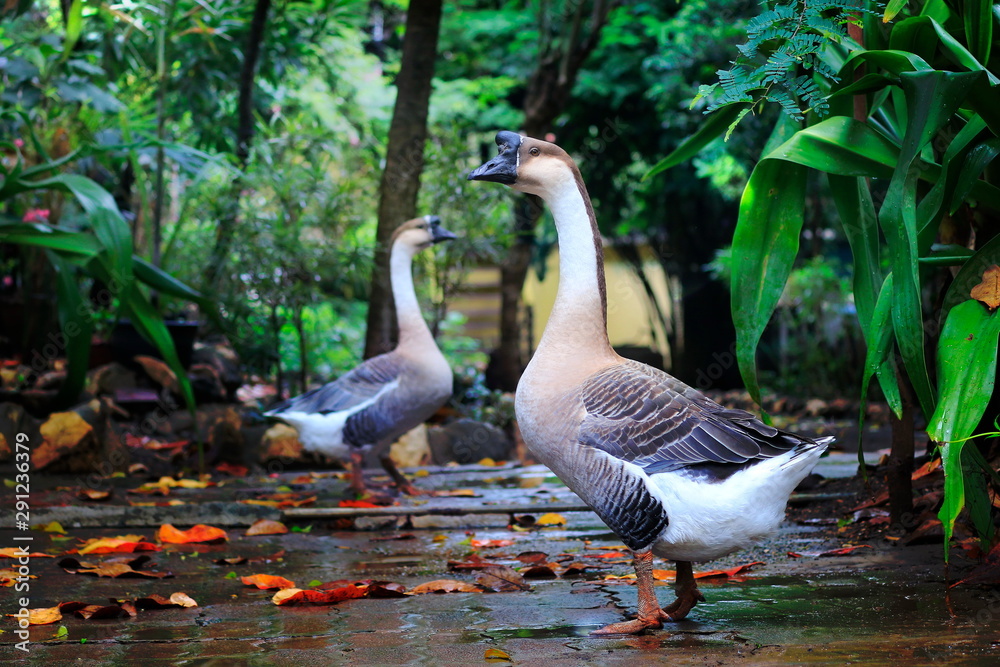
(403, 484)
(650, 614)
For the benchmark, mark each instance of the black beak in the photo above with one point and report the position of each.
(439, 233)
(502, 168)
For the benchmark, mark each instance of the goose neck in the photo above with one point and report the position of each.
(412, 326)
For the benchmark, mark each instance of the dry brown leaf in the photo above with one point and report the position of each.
(539, 572)
(295, 595)
(43, 616)
(502, 579)
(182, 600)
(473, 562)
(445, 586)
(99, 611)
(111, 569)
(988, 291)
(9, 577)
(93, 494)
(532, 557)
(266, 527)
(15, 552)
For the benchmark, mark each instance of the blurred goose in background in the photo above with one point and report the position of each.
(387, 395)
(670, 471)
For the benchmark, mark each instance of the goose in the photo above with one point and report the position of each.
(387, 395)
(671, 472)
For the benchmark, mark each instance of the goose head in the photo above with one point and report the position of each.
(528, 165)
(421, 233)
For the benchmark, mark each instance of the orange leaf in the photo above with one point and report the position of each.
(845, 551)
(606, 554)
(199, 533)
(123, 544)
(988, 291)
(445, 586)
(490, 544)
(93, 494)
(294, 595)
(15, 552)
(496, 655)
(267, 581)
(267, 527)
(42, 616)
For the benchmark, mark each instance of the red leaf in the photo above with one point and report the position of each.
(490, 544)
(296, 595)
(845, 550)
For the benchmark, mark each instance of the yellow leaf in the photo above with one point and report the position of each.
(487, 462)
(496, 654)
(421, 473)
(50, 527)
(440, 538)
(551, 519)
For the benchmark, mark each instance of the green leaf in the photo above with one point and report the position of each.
(163, 282)
(970, 275)
(716, 124)
(74, 26)
(892, 8)
(975, 162)
(978, 16)
(967, 359)
(840, 145)
(764, 247)
(53, 238)
(76, 328)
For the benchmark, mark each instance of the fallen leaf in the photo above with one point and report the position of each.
(15, 552)
(490, 544)
(529, 557)
(551, 519)
(357, 503)
(233, 469)
(61, 633)
(267, 581)
(445, 586)
(98, 611)
(576, 569)
(199, 533)
(296, 595)
(266, 527)
(606, 554)
(927, 468)
(988, 291)
(792, 554)
(457, 493)
(182, 600)
(9, 577)
(110, 569)
(473, 562)
(844, 551)
(393, 538)
(50, 527)
(93, 494)
(538, 572)
(123, 544)
(496, 655)
(42, 616)
(502, 579)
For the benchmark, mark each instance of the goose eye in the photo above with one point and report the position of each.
(534, 151)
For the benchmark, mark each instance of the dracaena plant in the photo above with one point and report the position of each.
(103, 252)
(911, 106)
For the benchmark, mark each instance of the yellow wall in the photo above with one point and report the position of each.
(629, 320)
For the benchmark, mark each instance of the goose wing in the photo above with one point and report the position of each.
(362, 385)
(641, 415)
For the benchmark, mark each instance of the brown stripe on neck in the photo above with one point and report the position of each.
(598, 245)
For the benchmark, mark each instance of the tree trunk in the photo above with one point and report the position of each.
(404, 162)
(899, 469)
(244, 135)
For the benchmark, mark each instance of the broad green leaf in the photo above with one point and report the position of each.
(76, 327)
(74, 26)
(976, 161)
(892, 8)
(165, 283)
(53, 238)
(878, 356)
(714, 126)
(970, 275)
(764, 247)
(954, 490)
(977, 497)
(840, 145)
(967, 360)
(978, 15)
(892, 61)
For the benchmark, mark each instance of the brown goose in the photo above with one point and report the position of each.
(387, 395)
(670, 471)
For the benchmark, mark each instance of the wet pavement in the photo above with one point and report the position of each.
(881, 605)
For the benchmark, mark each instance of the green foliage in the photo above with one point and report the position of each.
(783, 60)
(928, 138)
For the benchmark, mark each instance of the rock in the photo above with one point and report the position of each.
(221, 357)
(109, 378)
(206, 382)
(412, 449)
(219, 427)
(468, 441)
(281, 441)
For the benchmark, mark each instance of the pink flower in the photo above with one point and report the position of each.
(36, 215)
(19, 143)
